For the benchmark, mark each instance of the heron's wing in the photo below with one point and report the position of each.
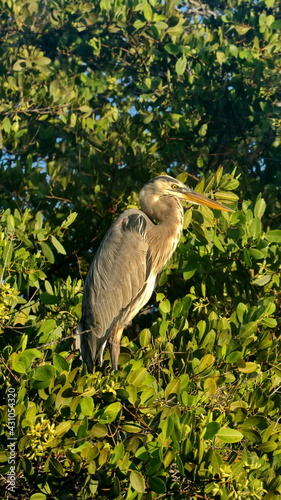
(118, 274)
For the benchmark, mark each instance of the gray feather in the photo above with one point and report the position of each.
(115, 278)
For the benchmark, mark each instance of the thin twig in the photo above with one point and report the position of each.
(9, 370)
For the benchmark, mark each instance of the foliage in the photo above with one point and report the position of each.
(96, 98)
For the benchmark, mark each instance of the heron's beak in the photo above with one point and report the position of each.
(200, 199)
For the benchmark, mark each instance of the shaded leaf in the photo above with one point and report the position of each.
(157, 485)
(56, 468)
(172, 48)
(211, 430)
(44, 373)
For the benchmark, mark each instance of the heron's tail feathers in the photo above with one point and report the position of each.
(90, 346)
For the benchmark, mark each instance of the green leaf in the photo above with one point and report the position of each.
(242, 30)
(172, 48)
(199, 230)
(43, 61)
(157, 485)
(211, 430)
(179, 464)
(21, 362)
(19, 65)
(47, 252)
(210, 386)
(227, 435)
(248, 329)
(49, 299)
(167, 426)
(58, 245)
(137, 481)
(147, 119)
(56, 468)
(218, 243)
(161, 25)
(26, 466)
(262, 280)
(118, 453)
(268, 447)
(87, 110)
(256, 254)
(247, 257)
(87, 406)
(270, 322)
(246, 367)
(226, 196)
(255, 228)
(233, 184)
(63, 428)
(181, 65)
(203, 130)
(172, 387)
(241, 311)
(200, 162)
(99, 431)
(70, 219)
(251, 435)
(276, 25)
(138, 24)
(233, 357)
(221, 57)
(165, 306)
(260, 207)
(10, 223)
(206, 362)
(145, 337)
(111, 411)
(137, 377)
(47, 326)
(147, 11)
(191, 266)
(44, 373)
(274, 235)
(38, 496)
(131, 428)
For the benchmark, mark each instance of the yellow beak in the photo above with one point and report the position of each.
(200, 199)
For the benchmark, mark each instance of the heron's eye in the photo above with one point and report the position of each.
(174, 186)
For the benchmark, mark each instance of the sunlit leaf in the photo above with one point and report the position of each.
(273, 235)
(137, 481)
(227, 435)
(181, 65)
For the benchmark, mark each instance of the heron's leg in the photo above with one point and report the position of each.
(114, 341)
(100, 354)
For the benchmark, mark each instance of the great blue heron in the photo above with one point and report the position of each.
(124, 272)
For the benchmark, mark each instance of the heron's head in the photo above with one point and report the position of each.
(164, 185)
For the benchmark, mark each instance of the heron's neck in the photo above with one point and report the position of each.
(166, 234)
